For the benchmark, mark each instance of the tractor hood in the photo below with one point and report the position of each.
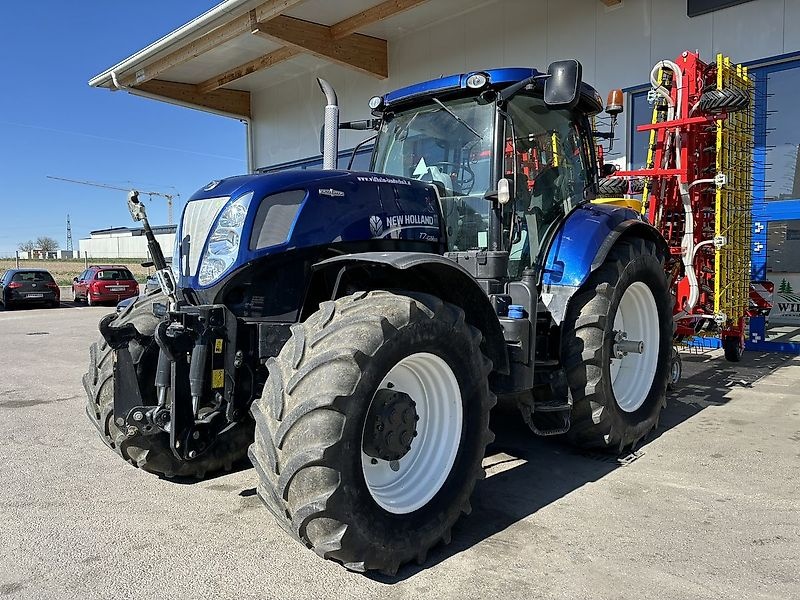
(232, 222)
(260, 183)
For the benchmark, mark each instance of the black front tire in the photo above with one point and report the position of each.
(152, 452)
(597, 420)
(311, 419)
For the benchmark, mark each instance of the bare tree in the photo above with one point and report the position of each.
(28, 246)
(46, 244)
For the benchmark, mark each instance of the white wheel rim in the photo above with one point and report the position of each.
(632, 375)
(433, 386)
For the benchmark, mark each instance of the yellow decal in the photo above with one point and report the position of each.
(218, 346)
(218, 378)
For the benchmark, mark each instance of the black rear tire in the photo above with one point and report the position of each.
(597, 420)
(310, 427)
(152, 452)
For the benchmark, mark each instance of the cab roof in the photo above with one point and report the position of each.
(498, 79)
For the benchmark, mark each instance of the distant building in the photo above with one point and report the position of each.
(125, 242)
(37, 254)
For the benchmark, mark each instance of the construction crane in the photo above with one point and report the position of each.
(168, 197)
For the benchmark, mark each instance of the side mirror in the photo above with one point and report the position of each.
(147, 264)
(75, 279)
(362, 125)
(562, 87)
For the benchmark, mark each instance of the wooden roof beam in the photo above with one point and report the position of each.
(235, 102)
(216, 37)
(262, 62)
(381, 11)
(340, 30)
(356, 51)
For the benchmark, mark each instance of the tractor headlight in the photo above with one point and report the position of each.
(223, 243)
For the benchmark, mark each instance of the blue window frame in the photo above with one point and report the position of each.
(640, 112)
(360, 162)
(776, 204)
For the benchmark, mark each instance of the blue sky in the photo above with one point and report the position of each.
(53, 123)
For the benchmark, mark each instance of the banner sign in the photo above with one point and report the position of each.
(786, 299)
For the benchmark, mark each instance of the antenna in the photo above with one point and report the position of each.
(167, 197)
(69, 235)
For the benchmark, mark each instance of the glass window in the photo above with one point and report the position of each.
(783, 135)
(641, 114)
(783, 246)
(783, 271)
(114, 275)
(360, 162)
(29, 276)
(450, 146)
(549, 155)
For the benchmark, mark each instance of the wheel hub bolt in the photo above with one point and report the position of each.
(390, 425)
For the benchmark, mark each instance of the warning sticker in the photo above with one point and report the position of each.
(218, 378)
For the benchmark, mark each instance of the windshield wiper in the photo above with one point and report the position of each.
(457, 118)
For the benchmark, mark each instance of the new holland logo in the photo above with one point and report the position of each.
(331, 192)
(376, 225)
(210, 186)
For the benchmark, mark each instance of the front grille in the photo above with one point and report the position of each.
(198, 218)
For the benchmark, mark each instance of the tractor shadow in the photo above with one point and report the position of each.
(526, 473)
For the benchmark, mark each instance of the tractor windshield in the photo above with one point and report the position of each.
(449, 145)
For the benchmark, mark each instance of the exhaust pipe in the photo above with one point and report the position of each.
(330, 131)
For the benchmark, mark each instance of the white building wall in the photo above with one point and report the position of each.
(123, 246)
(617, 47)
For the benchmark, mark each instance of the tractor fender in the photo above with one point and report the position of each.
(414, 271)
(582, 244)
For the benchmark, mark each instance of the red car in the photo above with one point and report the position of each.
(104, 283)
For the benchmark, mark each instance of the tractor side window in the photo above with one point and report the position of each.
(546, 151)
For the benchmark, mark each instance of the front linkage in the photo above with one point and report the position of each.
(194, 342)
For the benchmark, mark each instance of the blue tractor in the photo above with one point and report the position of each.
(351, 331)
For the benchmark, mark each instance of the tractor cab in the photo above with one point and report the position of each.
(509, 161)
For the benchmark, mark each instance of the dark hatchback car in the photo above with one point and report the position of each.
(28, 286)
(104, 283)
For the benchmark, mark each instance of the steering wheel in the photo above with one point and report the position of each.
(466, 183)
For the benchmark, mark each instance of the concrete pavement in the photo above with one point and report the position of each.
(708, 509)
